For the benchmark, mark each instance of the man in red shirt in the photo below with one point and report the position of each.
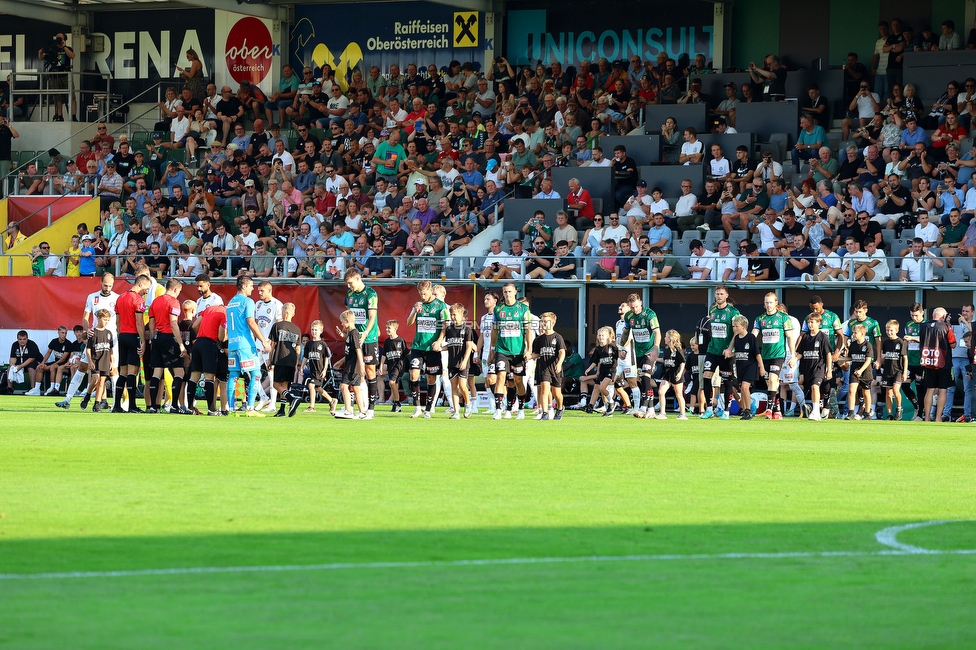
(580, 206)
(167, 349)
(129, 309)
(209, 357)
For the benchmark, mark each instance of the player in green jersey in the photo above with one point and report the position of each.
(720, 317)
(873, 335)
(833, 327)
(913, 334)
(511, 341)
(778, 337)
(431, 317)
(861, 317)
(362, 301)
(643, 325)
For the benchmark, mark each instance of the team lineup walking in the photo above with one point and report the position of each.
(816, 366)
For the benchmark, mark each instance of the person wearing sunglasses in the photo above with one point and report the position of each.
(862, 108)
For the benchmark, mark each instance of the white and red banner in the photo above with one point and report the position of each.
(247, 49)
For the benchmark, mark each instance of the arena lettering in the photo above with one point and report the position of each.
(132, 53)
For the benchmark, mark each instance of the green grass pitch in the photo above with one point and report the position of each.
(372, 518)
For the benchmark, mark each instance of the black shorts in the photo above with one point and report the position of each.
(671, 376)
(371, 354)
(166, 352)
(284, 374)
(774, 366)
(128, 350)
(350, 376)
(205, 357)
(813, 375)
(940, 378)
(474, 368)
(548, 374)
(715, 362)
(394, 372)
(514, 364)
(864, 381)
(102, 364)
(315, 382)
(747, 372)
(454, 372)
(426, 360)
(916, 374)
(603, 374)
(889, 381)
(644, 364)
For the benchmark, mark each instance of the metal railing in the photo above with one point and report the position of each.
(52, 185)
(464, 270)
(45, 91)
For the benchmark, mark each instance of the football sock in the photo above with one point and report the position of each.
(130, 385)
(76, 380)
(232, 388)
(252, 391)
(448, 393)
(191, 393)
(371, 390)
(152, 391)
(434, 389)
(210, 391)
(177, 388)
(910, 394)
(415, 392)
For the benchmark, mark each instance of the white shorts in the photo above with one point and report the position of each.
(626, 370)
(789, 373)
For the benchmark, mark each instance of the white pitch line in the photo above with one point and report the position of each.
(887, 537)
(463, 563)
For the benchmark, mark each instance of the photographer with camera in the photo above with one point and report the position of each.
(57, 56)
(7, 135)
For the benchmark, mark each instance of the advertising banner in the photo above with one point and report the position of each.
(349, 36)
(247, 50)
(584, 29)
(143, 48)
(47, 303)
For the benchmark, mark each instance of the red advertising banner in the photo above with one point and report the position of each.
(46, 303)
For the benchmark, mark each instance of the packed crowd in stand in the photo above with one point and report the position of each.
(321, 174)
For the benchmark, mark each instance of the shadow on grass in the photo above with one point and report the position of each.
(161, 552)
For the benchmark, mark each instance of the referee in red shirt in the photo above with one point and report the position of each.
(167, 348)
(129, 309)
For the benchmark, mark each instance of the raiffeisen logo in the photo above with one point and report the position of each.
(250, 50)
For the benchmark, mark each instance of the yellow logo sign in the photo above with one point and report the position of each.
(343, 65)
(466, 29)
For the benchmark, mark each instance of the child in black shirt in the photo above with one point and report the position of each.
(815, 364)
(894, 368)
(392, 360)
(747, 352)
